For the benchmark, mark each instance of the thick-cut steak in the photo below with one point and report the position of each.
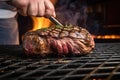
(58, 40)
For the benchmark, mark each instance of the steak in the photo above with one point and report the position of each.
(58, 40)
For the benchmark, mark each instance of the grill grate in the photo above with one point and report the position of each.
(102, 64)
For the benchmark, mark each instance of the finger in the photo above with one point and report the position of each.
(50, 11)
(22, 11)
(32, 9)
(41, 9)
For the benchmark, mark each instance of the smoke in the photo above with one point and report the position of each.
(72, 12)
(75, 12)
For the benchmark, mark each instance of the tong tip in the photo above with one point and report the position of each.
(55, 21)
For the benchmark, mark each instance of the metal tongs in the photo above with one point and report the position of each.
(55, 21)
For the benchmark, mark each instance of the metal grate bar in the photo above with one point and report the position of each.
(88, 76)
(111, 75)
(102, 64)
(56, 69)
(21, 68)
(74, 71)
(32, 72)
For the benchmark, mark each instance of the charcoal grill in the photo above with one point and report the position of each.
(102, 64)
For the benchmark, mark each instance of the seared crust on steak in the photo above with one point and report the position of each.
(60, 40)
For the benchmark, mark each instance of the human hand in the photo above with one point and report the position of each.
(34, 7)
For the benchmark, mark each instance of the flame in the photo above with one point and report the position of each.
(54, 1)
(107, 36)
(42, 22)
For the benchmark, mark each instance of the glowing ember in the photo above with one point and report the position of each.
(107, 37)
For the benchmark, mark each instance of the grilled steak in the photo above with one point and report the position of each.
(58, 40)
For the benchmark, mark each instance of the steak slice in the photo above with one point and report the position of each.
(58, 40)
